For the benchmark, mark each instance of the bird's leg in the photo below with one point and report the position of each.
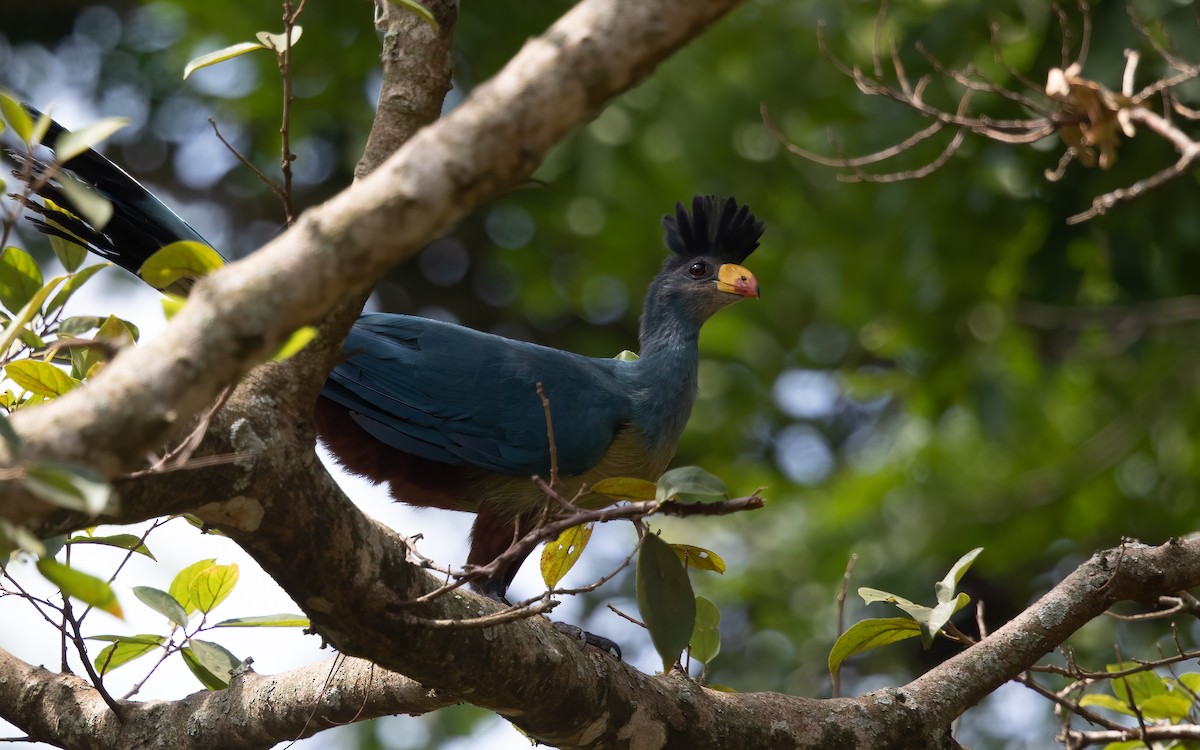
(493, 533)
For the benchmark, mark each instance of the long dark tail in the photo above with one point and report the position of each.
(140, 223)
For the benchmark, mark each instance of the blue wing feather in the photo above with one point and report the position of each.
(463, 397)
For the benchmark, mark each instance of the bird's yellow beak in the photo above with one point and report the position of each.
(734, 279)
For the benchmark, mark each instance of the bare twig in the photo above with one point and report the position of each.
(1087, 116)
(97, 682)
(629, 617)
(284, 61)
(549, 435)
(275, 188)
(542, 605)
(551, 529)
(835, 677)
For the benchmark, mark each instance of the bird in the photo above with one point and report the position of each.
(451, 417)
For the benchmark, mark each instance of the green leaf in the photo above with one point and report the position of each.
(945, 588)
(88, 203)
(14, 537)
(929, 619)
(560, 556)
(297, 341)
(1136, 687)
(124, 541)
(27, 313)
(210, 586)
(120, 333)
(72, 487)
(162, 603)
(85, 587)
(74, 282)
(172, 304)
(265, 621)
(77, 325)
(77, 141)
(16, 117)
(627, 356)
(690, 483)
(625, 488)
(1101, 700)
(664, 595)
(1188, 683)
(939, 616)
(179, 260)
(868, 634)
(85, 359)
(200, 524)
(54, 544)
(221, 55)
(699, 558)
(207, 678)
(123, 650)
(70, 254)
(215, 658)
(705, 643)
(182, 582)
(32, 340)
(419, 9)
(277, 42)
(1173, 707)
(20, 278)
(39, 377)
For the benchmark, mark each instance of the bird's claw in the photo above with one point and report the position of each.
(588, 639)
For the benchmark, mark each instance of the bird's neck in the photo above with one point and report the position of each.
(664, 379)
(667, 334)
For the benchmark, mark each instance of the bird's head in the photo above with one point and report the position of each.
(703, 273)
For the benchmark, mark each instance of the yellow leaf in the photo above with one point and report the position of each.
(221, 55)
(41, 378)
(626, 488)
(297, 341)
(179, 260)
(699, 558)
(559, 556)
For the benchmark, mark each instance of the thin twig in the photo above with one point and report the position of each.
(632, 511)
(549, 435)
(97, 682)
(511, 614)
(275, 188)
(631, 618)
(835, 677)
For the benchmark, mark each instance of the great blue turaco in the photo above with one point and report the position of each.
(450, 417)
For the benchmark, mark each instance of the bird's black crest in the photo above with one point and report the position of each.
(716, 227)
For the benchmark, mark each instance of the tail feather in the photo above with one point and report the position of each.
(140, 223)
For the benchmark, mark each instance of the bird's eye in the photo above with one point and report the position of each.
(698, 270)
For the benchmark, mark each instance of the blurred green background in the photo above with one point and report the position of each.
(935, 365)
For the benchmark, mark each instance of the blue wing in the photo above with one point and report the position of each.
(463, 397)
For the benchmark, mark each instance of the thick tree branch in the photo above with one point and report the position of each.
(255, 711)
(1131, 572)
(236, 317)
(349, 575)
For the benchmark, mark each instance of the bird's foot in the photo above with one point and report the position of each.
(588, 639)
(493, 589)
(497, 590)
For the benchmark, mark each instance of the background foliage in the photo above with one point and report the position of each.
(928, 370)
